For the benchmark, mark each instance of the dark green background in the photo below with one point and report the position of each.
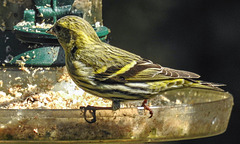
(195, 35)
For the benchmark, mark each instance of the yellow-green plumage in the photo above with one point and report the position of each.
(109, 72)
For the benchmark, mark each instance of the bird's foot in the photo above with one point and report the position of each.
(146, 107)
(92, 111)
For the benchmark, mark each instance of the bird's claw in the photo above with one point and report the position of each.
(92, 111)
(146, 107)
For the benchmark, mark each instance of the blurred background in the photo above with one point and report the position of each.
(199, 36)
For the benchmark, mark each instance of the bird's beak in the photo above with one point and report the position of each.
(50, 31)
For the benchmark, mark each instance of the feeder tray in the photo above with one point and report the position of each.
(179, 114)
(203, 113)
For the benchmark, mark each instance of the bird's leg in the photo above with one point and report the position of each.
(115, 105)
(147, 107)
(92, 110)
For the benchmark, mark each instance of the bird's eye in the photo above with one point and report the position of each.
(58, 28)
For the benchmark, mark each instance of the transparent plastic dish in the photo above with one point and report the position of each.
(189, 113)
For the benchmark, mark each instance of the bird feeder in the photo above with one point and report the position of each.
(37, 19)
(39, 101)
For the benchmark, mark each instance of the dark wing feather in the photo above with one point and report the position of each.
(151, 71)
(144, 70)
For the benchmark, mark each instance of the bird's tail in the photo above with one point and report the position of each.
(206, 85)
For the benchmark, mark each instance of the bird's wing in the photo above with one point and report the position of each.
(143, 70)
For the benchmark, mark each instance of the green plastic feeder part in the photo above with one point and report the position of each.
(53, 8)
(47, 51)
(29, 16)
(30, 31)
(44, 56)
(51, 54)
(31, 34)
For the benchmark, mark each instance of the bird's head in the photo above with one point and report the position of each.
(70, 29)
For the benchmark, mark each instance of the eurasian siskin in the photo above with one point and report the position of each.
(110, 72)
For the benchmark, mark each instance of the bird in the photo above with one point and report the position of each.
(110, 72)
